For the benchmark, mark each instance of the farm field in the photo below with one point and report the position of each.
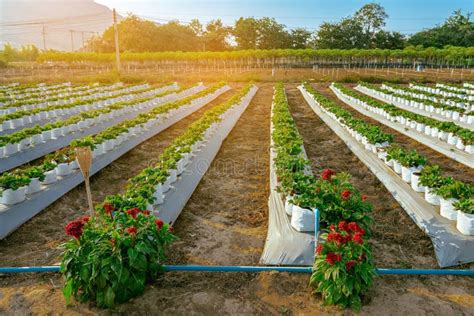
(225, 220)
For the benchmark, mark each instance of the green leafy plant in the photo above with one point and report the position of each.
(465, 206)
(35, 173)
(343, 269)
(455, 190)
(13, 181)
(110, 260)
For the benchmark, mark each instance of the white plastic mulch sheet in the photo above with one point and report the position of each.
(284, 245)
(451, 247)
(181, 190)
(11, 217)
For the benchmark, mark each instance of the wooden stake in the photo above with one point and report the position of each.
(84, 160)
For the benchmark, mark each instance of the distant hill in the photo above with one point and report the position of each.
(21, 22)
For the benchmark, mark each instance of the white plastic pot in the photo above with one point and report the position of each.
(465, 223)
(431, 198)
(73, 165)
(50, 177)
(63, 169)
(397, 167)
(109, 145)
(11, 149)
(452, 139)
(288, 206)
(167, 184)
(460, 144)
(10, 197)
(415, 183)
(469, 149)
(173, 175)
(446, 208)
(2, 151)
(406, 174)
(34, 186)
(302, 219)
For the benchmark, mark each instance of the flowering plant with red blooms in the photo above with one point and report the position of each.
(327, 174)
(343, 267)
(337, 200)
(125, 250)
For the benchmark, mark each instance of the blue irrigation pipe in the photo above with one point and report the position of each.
(196, 268)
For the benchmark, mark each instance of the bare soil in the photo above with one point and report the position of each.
(225, 222)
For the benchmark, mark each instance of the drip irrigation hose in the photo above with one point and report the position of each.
(196, 268)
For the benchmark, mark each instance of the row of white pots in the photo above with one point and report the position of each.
(455, 89)
(465, 222)
(450, 138)
(449, 114)
(109, 95)
(64, 97)
(11, 197)
(461, 104)
(445, 93)
(52, 135)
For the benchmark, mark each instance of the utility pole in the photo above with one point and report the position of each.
(117, 51)
(72, 41)
(44, 38)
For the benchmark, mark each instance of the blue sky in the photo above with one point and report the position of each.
(406, 16)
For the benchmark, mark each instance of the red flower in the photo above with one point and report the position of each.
(159, 223)
(342, 225)
(362, 257)
(332, 258)
(364, 197)
(353, 227)
(85, 219)
(319, 248)
(332, 227)
(146, 212)
(132, 230)
(346, 194)
(350, 264)
(171, 229)
(133, 212)
(75, 228)
(357, 238)
(109, 208)
(327, 174)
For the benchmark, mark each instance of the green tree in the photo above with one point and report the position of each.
(300, 38)
(246, 33)
(372, 17)
(389, 40)
(215, 36)
(347, 34)
(458, 30)
(272, 35)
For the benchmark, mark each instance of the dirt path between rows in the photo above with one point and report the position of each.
(396, 240)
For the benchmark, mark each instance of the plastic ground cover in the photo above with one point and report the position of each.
(181, 190)
(11, 217)
(451, 247)
(284, 245)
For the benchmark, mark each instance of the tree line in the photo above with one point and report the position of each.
(363, 30)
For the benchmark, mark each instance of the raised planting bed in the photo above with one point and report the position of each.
(284, 244)
(413, 125)
(451, 246)
(12, 216)
(419, 106)
(40, 140)
(53, 111)
(25, 101)
(129, 219)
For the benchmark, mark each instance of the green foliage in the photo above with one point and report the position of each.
(343, 268)
(455, 190)
(112, 257)
(465, 206)
(458, 30)
(13, 181)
